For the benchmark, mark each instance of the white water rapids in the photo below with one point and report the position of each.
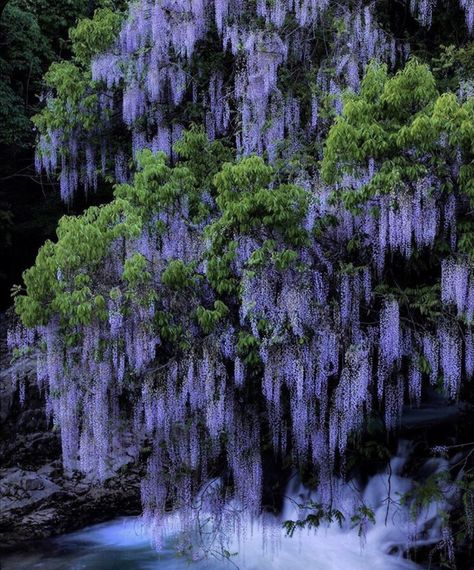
(125, 544)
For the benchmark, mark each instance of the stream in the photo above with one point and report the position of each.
(124, 544)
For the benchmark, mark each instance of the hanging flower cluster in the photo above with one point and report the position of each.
(204, 316)
(214, 310)
(153, 72)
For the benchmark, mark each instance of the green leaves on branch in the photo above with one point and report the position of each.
(156, 185)
(94, 36)
(320, 514)
(404, 126)
(281, 259)
(68, 278)
(209, 318)
(33, 34)
(248, 348)
(250, 200)
(60, 281)
(178, 276)
(219, 270)
(135, 270)
(166, 329)
(75, 101)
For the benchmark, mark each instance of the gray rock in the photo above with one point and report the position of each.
(34, 483)
(20, 489)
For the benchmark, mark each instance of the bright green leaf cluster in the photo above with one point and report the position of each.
(406, 127)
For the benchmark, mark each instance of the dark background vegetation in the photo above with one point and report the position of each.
(33, 34)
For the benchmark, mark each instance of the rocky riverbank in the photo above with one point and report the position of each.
(36, 499)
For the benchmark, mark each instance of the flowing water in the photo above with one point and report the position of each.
(125, 544)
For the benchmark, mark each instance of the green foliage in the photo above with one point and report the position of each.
(408, 131)
(281, 259)
(166, 329)
(320, 514)
(14, 122)
(71, 85)
(134, 271)
(249, 200)
(248, 176)
(178, 276)
(425, 299)
(209, 318)
(32, 34)
(423, 494)
(203, 157)
(362, 516)
(453, 480)
(371, 452)
(466, 237)
(66, 279)
(453, 67)
(247, 348)
(156, 185)
(59, 282)
(219, 271)
(23, 56)
(95, 35)
(399, 121)
(75, 103)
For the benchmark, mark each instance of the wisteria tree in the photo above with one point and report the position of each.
(237, 296)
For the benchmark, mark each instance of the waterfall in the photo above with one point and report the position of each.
(263, 544)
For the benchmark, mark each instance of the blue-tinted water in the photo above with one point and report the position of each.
(124, 544)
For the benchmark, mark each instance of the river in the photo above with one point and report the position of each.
(124, 544)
